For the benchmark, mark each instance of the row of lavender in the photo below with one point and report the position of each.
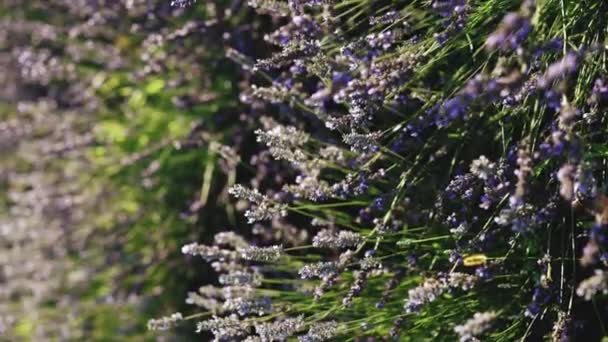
(425, 169)
(106, 111)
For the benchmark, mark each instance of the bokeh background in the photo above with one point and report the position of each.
(111, 112)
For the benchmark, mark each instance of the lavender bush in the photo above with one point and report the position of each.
(424, 170)
(307, 170)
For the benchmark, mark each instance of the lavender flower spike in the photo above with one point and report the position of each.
(482, 167)
(265, 254)
(560, 69)
(476, 326)
(593, 285)
(182, 3)
(165, 323)
(224, 328)
(319, 332)
(280, 330)
(342, 239)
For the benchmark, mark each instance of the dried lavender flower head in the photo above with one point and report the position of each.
(482, 167)
(565, 175)
(433, 288)
(476, 326)
(165, 323)
(273, 7)
(264, 254)
(597, 283)
(321, 270)
(224, 328)
(364, 143)
(246, 306)
(231, 239)
(251, 195)
(279, 330)
(284, 142)
(319, 332)
(241, 278)
(263, 208)
(208, 252)
(341, 239)
(182, 3)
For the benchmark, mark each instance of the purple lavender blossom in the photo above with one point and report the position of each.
(512, 32)
(560, 69)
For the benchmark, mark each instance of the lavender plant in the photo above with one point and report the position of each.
(108, 111)
(429, 169)
(386, 169)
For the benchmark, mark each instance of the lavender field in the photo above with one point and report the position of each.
(304, 170)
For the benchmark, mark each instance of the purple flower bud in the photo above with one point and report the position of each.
(560, 69)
